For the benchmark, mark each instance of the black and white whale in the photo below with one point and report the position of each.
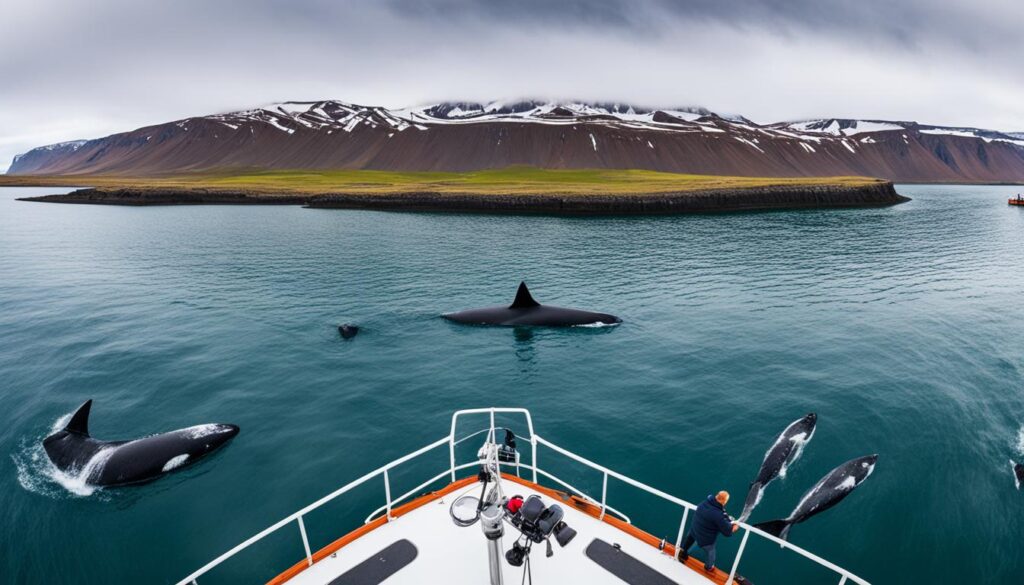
(116, 463)
(780, 456)
(1018, 473)
(829, 491)
(524, 311)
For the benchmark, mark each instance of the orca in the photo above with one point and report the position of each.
(829, 491)
(780, 456)
(118, 463)
(524, 311)
(1018, 473)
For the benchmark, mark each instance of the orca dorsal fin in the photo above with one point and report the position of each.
(523, 299)
(79, 423)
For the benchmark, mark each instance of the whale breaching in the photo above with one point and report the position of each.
(829, 491)
(780, 456)
(116, 463)
(524, 311)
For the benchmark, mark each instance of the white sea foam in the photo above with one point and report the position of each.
(1013, 472)
(1020, 441)
(76, 481)
(37, 474)
(597, 324)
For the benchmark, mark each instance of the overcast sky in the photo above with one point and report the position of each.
(73, 69)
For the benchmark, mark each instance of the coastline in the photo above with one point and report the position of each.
(666, 203)
(881, 193)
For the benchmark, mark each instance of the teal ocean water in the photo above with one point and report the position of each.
(903, 328)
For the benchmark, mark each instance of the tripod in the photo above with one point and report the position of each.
(527, 573)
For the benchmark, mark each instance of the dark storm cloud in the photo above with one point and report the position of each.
(75, 69)
(898, 21)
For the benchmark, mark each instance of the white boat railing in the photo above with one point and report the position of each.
(535, 440)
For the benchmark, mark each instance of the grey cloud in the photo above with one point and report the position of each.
(970, 23)
(80, 70)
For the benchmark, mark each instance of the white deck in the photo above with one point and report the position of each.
(454, 555)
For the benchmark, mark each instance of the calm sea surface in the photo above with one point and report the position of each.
(903, 328)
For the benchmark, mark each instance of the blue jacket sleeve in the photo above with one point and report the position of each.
(724, 525)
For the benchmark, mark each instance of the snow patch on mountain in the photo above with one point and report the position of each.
(69, 146)
(838, 127)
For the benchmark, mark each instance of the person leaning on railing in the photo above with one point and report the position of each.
(709, 521)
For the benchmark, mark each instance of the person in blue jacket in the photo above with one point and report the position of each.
(709, 521)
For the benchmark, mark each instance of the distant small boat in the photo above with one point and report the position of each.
(1017, 201)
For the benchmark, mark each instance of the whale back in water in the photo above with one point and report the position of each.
(829, 491)
(114, 463)
(783, 453)
(525, 311)
(1018, 473)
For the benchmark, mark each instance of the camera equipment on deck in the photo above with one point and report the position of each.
(535, 521)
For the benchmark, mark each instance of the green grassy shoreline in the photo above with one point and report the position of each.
(515, 180)
(512, 190)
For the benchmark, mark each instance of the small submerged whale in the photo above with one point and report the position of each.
(116, 463)
(1018, 473)
(780, 456)
(829, 491)
(524, 311)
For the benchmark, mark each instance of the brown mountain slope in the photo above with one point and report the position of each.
(332, 135)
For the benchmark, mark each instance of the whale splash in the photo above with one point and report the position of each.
(37, 474)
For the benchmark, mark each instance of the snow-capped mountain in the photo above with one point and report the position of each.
(847, 127)
(460, 136)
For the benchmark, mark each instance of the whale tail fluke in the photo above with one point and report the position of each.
(778, 528)
(523, 299)
(79, 423)
(753, 499)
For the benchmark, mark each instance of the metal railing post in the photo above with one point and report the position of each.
(739, 553)
(604, 496)
(492, 426)
(682, 527)
(451, 454)
(533, 441)
(305, 541)
(387, 495)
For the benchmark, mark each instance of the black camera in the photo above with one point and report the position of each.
(537, 522)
